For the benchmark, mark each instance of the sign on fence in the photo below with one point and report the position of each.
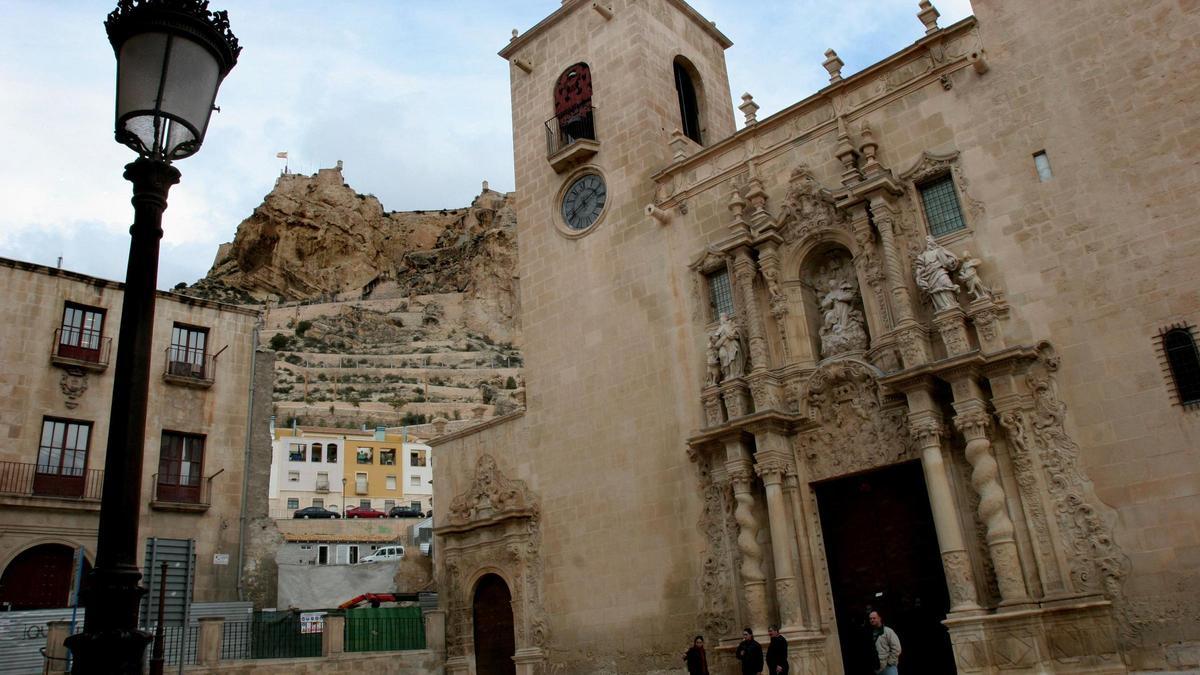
(312, 622)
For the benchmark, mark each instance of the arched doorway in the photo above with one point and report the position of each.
(40, 578)
(495, 642)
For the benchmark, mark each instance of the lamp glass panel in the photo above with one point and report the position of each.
(193, 76)
(139, 73)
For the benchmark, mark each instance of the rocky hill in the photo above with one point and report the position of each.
(378, 317)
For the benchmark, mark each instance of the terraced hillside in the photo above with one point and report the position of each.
(378, 317)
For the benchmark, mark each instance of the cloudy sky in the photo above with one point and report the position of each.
(408, 93)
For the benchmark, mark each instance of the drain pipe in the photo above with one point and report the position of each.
(241, 591)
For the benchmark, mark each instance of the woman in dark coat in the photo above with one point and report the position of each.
(749, 654)
(697, 660)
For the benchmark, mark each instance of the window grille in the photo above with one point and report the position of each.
(1182, 363)
(720, 293)
(942, 211)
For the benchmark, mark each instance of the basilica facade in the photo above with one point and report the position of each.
(920, 343)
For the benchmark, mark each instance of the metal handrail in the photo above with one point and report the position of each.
(36, 480)
(189, 363)
(167, 493)
(81, 344)
(562, 131)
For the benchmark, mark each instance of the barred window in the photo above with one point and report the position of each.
(942, 211)
(720, 293)
(1183, 363)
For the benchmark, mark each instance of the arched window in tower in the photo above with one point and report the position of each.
(573, 107)
(1183, 363)
(686, 80)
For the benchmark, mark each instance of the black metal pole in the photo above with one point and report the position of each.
(111, 642)
(156, 655)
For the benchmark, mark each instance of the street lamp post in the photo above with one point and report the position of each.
(171, 58)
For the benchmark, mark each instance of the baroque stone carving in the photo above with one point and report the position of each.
(807, 207)
(716, 578)
(1016, 428)
(726, 340)
(932, 273)
(490, 494)
(843, 328)
(969, 277)
(74, 384)
(1096, 562)
(855, 431)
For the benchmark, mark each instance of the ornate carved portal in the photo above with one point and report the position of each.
(493, 530)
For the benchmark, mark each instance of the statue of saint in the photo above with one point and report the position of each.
(933, 268)
(713, 362)
(843, 324)
(727, 339)
(970, 278)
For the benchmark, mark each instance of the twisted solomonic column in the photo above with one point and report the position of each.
(973, 421)
(753, 579)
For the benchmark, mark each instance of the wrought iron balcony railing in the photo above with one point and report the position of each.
(190, 367)
(80, 347)
(571, 138)
(183, 493)
(35, 480)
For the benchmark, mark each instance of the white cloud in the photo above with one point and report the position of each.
(411, 95)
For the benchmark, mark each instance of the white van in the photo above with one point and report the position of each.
(385, 554)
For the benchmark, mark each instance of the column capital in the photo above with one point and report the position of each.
(926, 428)
(972, 419)
(772, 470)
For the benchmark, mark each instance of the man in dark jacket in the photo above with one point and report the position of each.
(777, 659)
(749, 654)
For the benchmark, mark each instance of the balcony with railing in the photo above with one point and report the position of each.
(186, 494)
(80, 348)
(322, 486)
(189, 367)
(44, 486)
(571, 138)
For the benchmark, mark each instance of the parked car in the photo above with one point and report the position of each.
(384, 554)
(363, 512)
(315, 512)
(404, 512)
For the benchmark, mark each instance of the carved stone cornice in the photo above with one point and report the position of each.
(946, 368)
(491, 498)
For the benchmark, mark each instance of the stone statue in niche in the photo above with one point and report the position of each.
(933, 268)
(727, 340)
(970, 278)
(843, 327)
(713, 362)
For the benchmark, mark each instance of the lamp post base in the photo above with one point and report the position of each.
(108, 652)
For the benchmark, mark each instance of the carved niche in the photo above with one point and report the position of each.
(855, 431)
(808, 208)
(494, 527)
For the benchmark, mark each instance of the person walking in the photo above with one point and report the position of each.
(749, 654)
(696, 659)
(887, 646)
(777, 656)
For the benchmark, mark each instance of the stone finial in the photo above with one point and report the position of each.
(485, 186)
(679, 144)
(834, 65)
(928, 16)
(868, 147)
(515, 33)
(847, 155)
(339, 165)
(737, 204)
(750, 109)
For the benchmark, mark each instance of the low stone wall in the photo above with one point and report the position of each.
(423, 661)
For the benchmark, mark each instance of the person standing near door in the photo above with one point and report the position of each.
(697, 661)
(777, 657)
(749, 654)
(887, 646)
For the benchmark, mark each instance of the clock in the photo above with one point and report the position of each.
(583, 201)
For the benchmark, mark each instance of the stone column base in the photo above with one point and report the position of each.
(1079, 637)
(458, 665)
(809, 654)
(529, 660)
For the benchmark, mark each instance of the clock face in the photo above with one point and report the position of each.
(584, 201)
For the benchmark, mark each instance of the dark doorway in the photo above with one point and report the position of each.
(883, 554)
(495, 643)
(40, 578)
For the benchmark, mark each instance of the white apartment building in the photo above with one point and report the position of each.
(307, 469)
